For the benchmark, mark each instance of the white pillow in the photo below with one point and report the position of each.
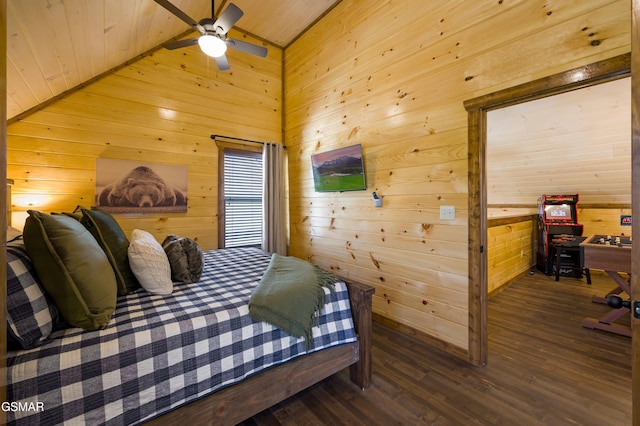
(149, 263)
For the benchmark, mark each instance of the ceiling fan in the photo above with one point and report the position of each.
(213, 38)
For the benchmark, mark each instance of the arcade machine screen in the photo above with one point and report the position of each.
(559, 213)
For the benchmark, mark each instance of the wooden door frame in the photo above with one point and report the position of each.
(477, 108)
(3, 202)
(635, 204)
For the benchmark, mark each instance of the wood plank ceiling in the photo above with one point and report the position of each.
(55, 45)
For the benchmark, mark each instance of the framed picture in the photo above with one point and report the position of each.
(339, 170)
(124, 186)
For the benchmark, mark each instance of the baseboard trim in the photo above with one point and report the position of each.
(423, 337)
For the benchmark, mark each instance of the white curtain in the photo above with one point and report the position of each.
(274, 230)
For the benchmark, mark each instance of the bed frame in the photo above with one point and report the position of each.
(243, 400)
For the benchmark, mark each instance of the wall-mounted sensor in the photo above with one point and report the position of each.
(377, 201)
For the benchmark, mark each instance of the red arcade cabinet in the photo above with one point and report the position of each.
(558, 216)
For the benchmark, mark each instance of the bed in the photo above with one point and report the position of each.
(195, 355)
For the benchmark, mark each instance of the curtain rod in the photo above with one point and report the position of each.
(239, 139)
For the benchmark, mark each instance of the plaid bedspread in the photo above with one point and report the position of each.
(160, 352)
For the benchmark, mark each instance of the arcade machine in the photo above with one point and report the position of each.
(559, 231)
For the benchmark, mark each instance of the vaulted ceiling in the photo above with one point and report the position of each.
(55, 45)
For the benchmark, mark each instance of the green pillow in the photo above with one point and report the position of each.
(115, 244)
(73, 269)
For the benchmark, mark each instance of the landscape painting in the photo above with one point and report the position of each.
(339, 170)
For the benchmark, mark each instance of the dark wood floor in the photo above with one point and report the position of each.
(544, 369)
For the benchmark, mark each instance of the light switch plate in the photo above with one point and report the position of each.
(448, 212)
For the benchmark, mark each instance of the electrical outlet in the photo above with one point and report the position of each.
(448, 212)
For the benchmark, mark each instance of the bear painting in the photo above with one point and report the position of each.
(142, 189)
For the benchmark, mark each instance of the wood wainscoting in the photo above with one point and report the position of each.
(511, 250)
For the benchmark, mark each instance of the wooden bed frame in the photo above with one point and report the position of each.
(243, 400)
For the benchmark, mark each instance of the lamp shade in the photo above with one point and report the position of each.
(212, 45)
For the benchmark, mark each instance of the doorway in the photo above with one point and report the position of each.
(575, 142)
(600, 72)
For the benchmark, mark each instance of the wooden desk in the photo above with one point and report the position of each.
(614, 260)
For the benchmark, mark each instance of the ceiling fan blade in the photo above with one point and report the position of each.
(222, 63)
(243, 46)
(180, 14)
(227, 18)
(181, 43)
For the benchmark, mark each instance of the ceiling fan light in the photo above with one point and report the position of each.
(212, 45)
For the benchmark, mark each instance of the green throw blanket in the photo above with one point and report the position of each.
(290, 295)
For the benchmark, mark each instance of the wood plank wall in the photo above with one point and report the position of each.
(604, 221)
(510, 250)
(576, 142)
(160, 109)
(393, 76)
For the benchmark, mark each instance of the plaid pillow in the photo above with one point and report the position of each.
(31, 315)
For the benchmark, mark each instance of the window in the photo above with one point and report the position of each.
(241, 198)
